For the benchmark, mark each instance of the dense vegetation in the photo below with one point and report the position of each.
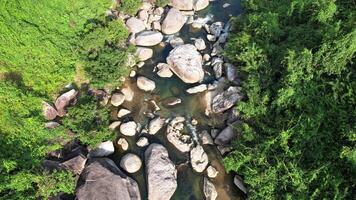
(42, 50)
(297, 61)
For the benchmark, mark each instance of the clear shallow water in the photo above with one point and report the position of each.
(190, 183)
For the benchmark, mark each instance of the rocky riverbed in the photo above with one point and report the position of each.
(174, 115)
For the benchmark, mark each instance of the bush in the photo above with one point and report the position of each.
(130, 6)
(299, 137)
(162, 3)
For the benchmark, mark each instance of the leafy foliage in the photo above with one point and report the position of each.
(297, 58)
(130, 6)
(161, 3)
(89, 120)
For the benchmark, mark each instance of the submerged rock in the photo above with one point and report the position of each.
(171, 101)
(122, 142)
(239, 183)
(216, 28)
(173, 22)
(161, 173)
(117, 99)
(198, 159)
(181, 141)
(164, 70)
(102, 179)
(148, 38)
(131, 163)
(197, 89)
(145, 84)
(209, 190)
(155, 125)
(186, 62)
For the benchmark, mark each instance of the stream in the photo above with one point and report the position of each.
(190, 183)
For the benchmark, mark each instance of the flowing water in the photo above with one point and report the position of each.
(190, 183)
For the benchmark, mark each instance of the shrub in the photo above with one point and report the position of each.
(130, 6)
(162, 3)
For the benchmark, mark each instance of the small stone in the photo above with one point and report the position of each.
(128, 93)
(239, 183)
(143, 15)
(198, 159)
(49, 112)
(132, 73)
(200, 44)
(114, 125)
(102, 150)
(176, 42)
(194, 122)
(158, 11)
(197, 25)
(225, 5)
(212, 172)
(145, 84)
(155, 125)
(135, 25)
(51, 125)
(206, 138)
(197, 89)
(123, 112)
(164, 70)
(206, 57)
(140, 64)
(171, 101)
(144, 53)
(142, 142)
(131, 163)
(117, 99)
(128, 128)
(211, 38)
(122, 142)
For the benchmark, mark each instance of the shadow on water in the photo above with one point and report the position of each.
(190, 183)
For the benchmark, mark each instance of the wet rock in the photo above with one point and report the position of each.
(206, 57)
(155, 125)
(49, 112)
(75, 165)
(198, 159)
(131, 163)
(135, 25)
(122, 142)
(211, 38)
(114, 125)
(154, 105)
(63, 101)
(181, 141)
(200, 4)
(144, 53)
(171, 101)
(205, 138)
(197, 89)
(209, 190)
(51, 125)
(200, 44)
(225, 5)
(145, 84)
(224, 150)
(186, 62)
(239, 184)
(226, 136)
(213, 86)
(212, 172)
(217, 50)
(128, 93)
(117, 99)
(173, 22)
(217, 64)
(102, 150)
(226, 99)
(216, 28)
(123, 112)
(148, 38)
(223, 37)
(161, 173)
(176, 41)
(128, 128)
(102, 179)
(142, 142)
(164, 70)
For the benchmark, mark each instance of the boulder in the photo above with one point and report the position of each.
(171, 101)
(135, 25)
(231, 72)
(132, 73)
(189, 4)
(205, 138)
(200, 4)
(128, 93)
(200, 44)
(164, 70)
(117, 99)
(226, 99)
(102, 179)
(198, 159)
(181, 141)
(145, 84)
(211, 38)
(197, 89)
(173, 22)
(216, 28)
(128, 128)
(176, 41)
(76, 164)
(156, 26)
(161, 173)
(217, 64)
(49, 112)
(186, 62)
(228, 134)
(114, 125)
(142, 142)
(144, 53)
(239, 184)
(143, 15)
(131, 163)
(123, 112)
(102, 150)
(158, 11)
(63, 101)
(148, 38)
(212, 172)
(155, 125)
(122, 142)
(209, 190)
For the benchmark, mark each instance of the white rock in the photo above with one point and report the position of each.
(200, 44)
(135, 25)
(173, 22)
(131, 163)
(176, 41)
(123, 112)
(209, 190)
(122, 142)
(216, 28)
(103, 149)
(211, 38)
(156, 26)
(181, 141)
(155, 125)
(197, 89)
(206, 138)
(164, 70)
(226, 5)
(206, 57)
(142, 142)
(128, 93)
(158, 11)
(128, 128)
(114, 125)
(49, 112)
(212, 172)
(200, 4)
(117, 99)
(148, 38)
(132, 73)
(145, 84)
(140, 64)
(144, 53)
(198, 159)
(143, 15)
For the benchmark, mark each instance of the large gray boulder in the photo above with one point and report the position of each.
(102, 179)
(161, 173)
(135, 25)
(148, 38)
(173, 22)
(226, 99)
(186, 62)
(228, 134)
